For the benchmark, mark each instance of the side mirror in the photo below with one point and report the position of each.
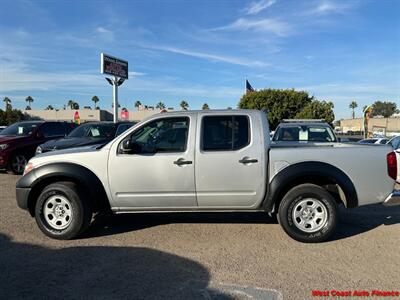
(129, 147)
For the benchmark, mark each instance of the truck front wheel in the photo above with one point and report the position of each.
(308, 213)
(61, 211)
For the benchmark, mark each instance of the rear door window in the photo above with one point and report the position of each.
(225, 133)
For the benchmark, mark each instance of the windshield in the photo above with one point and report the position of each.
(20, 129)
(304, 133)
(99, 131)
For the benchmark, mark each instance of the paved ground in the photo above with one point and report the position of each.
(194, 256)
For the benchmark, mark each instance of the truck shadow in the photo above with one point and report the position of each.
(104, 225)
(32, 271)
(351, 221)
(365, 218)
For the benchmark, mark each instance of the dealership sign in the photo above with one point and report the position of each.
(114, 66)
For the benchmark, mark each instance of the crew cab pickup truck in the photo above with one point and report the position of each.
(206, 161)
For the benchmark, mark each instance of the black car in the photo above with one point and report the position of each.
(93, 133)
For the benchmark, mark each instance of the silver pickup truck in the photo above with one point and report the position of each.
(206, 161)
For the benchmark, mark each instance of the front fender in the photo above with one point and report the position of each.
(34, 182)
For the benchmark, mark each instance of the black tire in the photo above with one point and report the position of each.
(17, 163)
(296, 198)
(74, 201)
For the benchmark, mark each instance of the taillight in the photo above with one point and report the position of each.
(392, 165)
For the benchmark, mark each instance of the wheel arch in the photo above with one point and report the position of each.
(84, 178)
(319, 173)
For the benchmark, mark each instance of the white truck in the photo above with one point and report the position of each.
(206, 161)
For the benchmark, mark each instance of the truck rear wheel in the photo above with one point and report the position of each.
(61, 211)
(308, 213)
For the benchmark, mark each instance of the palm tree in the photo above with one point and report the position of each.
(160, 105)
(95, 99)
(71, 104)
(29, 99)
(138, 104)
(7, 101)
(205, 106)
(49, 107)
(184, 105)
(353, 105)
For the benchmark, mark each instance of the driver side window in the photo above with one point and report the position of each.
(162, 135)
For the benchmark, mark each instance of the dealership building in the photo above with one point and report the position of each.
(88, 115)
(382, 126)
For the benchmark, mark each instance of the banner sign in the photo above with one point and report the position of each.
(114, 66)
(77, 119)
(124, 114)
(366, 116)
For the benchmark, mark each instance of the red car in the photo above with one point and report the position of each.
(18, 141)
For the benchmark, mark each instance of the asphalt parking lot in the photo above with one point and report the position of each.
(194, 256)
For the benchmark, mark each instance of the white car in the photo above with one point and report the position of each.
(395, 142)
(381, 141)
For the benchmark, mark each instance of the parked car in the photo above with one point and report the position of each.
(18, 141)
(2, 127)
(206, 161)
(303, 131)
(92, 133)
(395, 142)
(381, 141)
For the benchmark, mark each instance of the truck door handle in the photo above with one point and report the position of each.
(182, 161)
(246, 160)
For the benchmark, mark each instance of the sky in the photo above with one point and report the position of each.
(200, 51)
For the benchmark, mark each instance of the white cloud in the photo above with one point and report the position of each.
(212, 57)
(105, 33)
(135, 74)
(326, 7)
(103, 30)
(273, 26)
(256, 7)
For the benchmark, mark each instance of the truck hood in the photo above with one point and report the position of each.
(86, 149)
(71, 143)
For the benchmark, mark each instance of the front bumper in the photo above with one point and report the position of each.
(393, 199)
(22, 197)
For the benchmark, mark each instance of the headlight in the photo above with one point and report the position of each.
(28, 168)
(3, 146)
(38, 150)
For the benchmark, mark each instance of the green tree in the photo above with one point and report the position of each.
(160, 105)
(353, 105)
(29, 99)
(184, 105)
(384, 108)
(281, 104)
(317, 110)
(49, 107)
(205, 106)
(7, 102)
(71, 104)
(76, 105)
(138, 104)
(11, 116)
(95, 99)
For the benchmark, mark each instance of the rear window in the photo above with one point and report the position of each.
(225, 133)
(304, 133)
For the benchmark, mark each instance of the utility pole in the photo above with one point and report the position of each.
(115, 98)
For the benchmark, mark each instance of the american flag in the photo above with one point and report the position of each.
(249, 88)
